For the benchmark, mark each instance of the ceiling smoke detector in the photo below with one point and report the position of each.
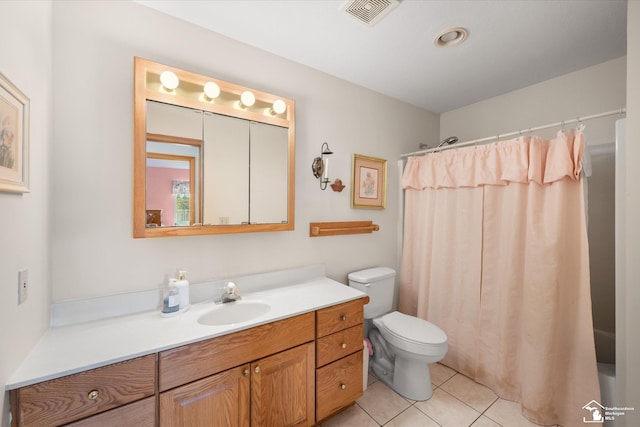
(369, 11)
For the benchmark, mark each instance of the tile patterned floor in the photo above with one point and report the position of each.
(457, 401)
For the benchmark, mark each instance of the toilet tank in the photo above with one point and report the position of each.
(379, 284)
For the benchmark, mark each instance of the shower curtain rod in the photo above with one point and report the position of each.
(497, 137)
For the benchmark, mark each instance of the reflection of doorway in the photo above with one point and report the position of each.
(170, 188)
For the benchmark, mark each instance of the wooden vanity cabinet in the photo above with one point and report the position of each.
(290, 372)
(339, 353)
(83, 395)
(274, 386)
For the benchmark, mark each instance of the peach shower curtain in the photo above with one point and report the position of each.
(496, 254)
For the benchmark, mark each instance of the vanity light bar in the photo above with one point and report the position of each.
(219, 95)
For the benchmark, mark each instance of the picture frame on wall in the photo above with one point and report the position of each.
(14, 138)
(369, 185)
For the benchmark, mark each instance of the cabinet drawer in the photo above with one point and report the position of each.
(338, 385)
(335, 346)
(140, 414)
(77, 396)
(339, 317)
(194, 361)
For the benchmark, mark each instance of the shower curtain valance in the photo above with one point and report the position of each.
(523, 160)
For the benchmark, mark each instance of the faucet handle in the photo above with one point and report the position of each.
(231, 288)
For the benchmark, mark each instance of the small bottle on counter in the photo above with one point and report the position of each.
(183, 290)
(171, 300)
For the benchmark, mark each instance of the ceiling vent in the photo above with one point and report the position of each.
(369, 11)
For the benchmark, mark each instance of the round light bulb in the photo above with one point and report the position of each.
(279, 106)
(212, 90)
(247, 98)
(169, 80)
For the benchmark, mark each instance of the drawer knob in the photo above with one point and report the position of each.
(343, 386)
(343, 345)
(257, 369)
(93, 394)
(245, 372)
(343, 317)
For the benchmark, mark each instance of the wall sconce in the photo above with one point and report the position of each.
(320, 166)
(169, 81)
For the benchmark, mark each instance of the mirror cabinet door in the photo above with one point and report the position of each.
(269, 174)
(173, 151)
(226, 170)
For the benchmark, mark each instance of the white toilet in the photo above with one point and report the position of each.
(403, 346)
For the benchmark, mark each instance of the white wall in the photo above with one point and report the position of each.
(25, 43)
(93, 252)
(628, 307)
(589, 91)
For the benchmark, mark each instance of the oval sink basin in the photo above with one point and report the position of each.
(234, 312)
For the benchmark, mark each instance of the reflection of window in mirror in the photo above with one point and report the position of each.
(181, 203)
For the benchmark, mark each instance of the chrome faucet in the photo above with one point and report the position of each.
(229, 294)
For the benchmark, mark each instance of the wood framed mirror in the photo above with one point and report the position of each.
(210, 157)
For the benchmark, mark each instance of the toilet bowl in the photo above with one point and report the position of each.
(403, 345)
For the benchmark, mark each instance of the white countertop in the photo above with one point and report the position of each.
(75, 348)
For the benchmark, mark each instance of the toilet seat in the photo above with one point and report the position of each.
(411, 333)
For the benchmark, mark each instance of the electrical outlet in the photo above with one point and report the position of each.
(23, 285)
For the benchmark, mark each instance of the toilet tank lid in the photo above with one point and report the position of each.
(371, 274)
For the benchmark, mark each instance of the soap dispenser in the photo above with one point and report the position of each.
(171, 300)
(183, 290)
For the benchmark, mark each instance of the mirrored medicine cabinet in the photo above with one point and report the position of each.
(210, 157)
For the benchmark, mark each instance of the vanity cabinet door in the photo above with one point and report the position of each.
(218, 400)
(283, 388)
